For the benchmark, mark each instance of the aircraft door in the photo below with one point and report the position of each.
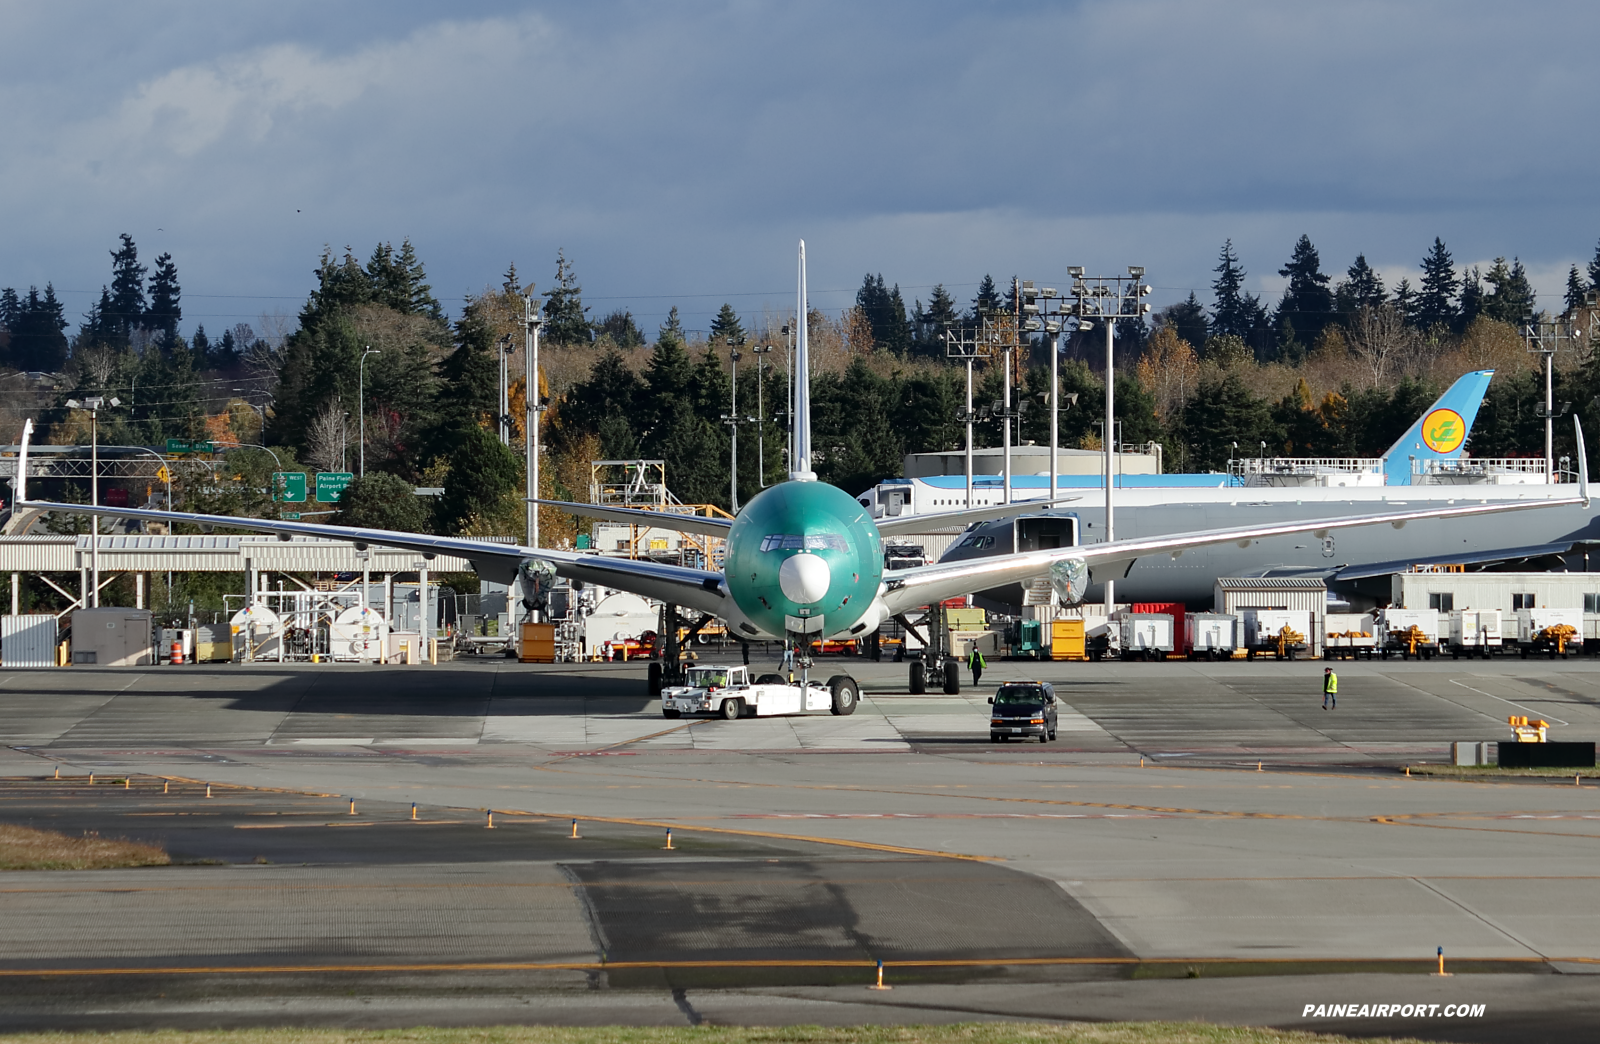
(1045, 532)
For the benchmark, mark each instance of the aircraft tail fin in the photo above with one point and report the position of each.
(19, 487)
(1442, 430)
(800, 467)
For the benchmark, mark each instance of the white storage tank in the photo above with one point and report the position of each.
(1351, 634)
(1263, 629)
(618, 617)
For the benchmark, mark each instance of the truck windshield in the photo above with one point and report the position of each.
(706, 679)
(1019, 696)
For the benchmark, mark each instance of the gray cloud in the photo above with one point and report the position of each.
(679, 150)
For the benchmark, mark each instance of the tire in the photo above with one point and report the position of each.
(846, 694)
(655, 678)
(771, 679)
(667, 713)
(732, 709)
(952, 679)
(994, 737)
(919, 677)
(1044, 737)
(1052, 735)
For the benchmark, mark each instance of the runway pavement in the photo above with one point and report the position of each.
(1057, 880)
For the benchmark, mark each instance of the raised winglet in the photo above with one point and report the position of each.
(1583, 462)
(20, 486)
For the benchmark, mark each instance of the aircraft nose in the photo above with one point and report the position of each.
(804, 578)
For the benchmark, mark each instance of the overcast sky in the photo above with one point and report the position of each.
(677, 151)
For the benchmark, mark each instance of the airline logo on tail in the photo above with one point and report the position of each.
(1443, 430)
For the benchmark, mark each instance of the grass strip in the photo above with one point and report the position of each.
(24, 848)
(958, 1033)
(1496, 772)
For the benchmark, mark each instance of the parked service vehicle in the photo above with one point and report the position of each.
(1210, 636)
(1409, 632)
(1350, 635)
(1475, 632)
(1552, 631)
(1023, 709)
(728, 691)
(1281, 632)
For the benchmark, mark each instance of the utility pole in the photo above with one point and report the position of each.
(533, 407)
(504, 415)
(1106, 299)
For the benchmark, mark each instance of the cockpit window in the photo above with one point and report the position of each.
(804, 542)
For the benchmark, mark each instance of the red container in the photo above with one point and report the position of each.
(1172, 609)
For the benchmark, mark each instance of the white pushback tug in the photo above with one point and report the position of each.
(728, 691)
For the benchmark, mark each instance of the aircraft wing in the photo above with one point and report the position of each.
(701, 524)
(946, 520)
(923, 585)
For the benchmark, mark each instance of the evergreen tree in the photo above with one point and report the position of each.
(97, 326)
(1233, 311)
(672, 329)
(1471, 297)
(200, 345)
(483, 475)
(1511, 299)
(127, 293)
(1405, 301)
(1187, 319)
(725, 327)
(420, 293)
(929, 325)
(36, 325)
(565, 319)
(1361, 288)
(1576, 289)
(886, 312)
(10, 308)
(620, 327)
(166, 310)
(227, 351)
(987, 299)
(1594, 269)
(469, 376)
(1307, 302)
(607, 403)
(1222, 412)
(1436, 293)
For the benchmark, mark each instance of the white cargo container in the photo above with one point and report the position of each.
(1212, 635)
(1146, 635)
(1473, 631)
(1264, 631)
(1350, 635)
(1549, 630)
(1395, 632)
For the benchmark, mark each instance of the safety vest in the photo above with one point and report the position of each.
(1330, 683)
(976, 660)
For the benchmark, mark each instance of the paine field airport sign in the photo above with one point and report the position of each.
(330, 485)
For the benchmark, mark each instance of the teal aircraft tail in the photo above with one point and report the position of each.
(1442, 431)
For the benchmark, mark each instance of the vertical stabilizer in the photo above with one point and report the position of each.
(1442, 431)
(800, 467)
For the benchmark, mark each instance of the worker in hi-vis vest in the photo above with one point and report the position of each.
(1330, 688)
(975, 662)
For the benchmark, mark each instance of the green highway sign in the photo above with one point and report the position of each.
(190, 446)
(289, 516)
(289, 486)
(330, 485)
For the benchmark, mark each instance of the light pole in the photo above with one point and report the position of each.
(959, 345)
(361, 401)
(1106, 299)
(731, 419)
(1546, 337)
(93, 404)
(761, 425)
(533, 407)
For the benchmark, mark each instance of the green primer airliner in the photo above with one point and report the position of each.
(803, 558)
